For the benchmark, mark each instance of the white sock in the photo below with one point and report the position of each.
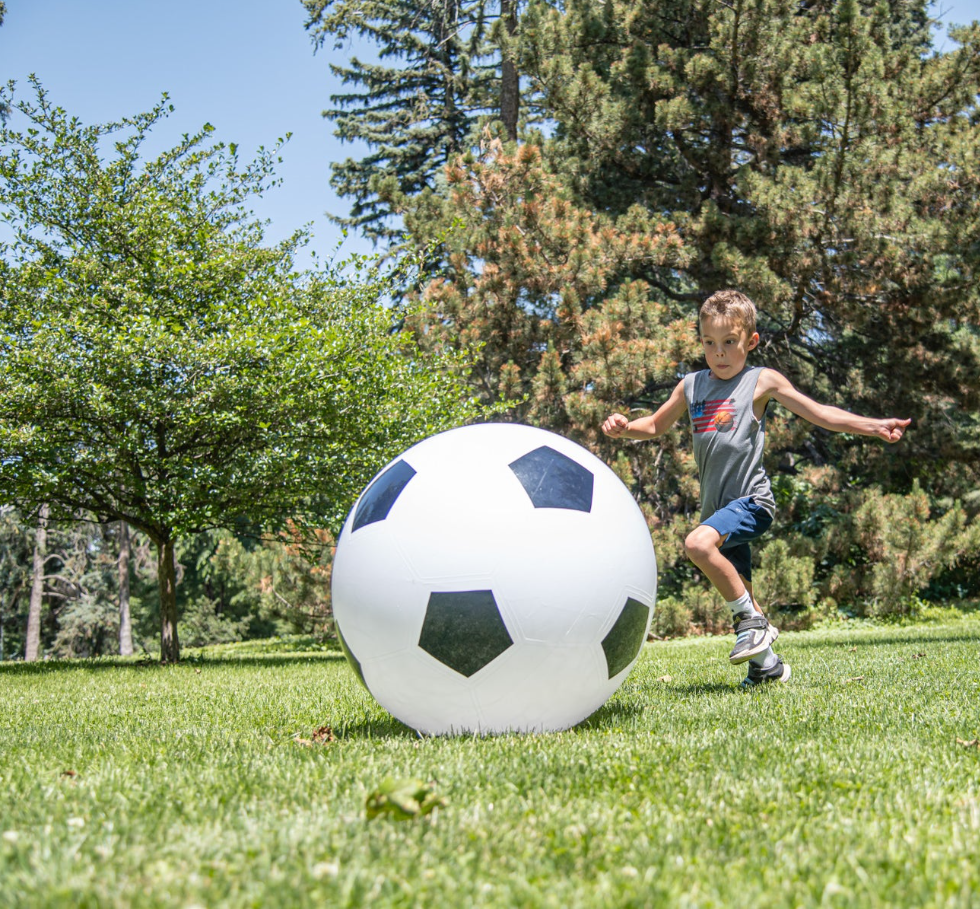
(742, 606)
(765, 660)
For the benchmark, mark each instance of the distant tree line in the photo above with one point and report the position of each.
(97, 591)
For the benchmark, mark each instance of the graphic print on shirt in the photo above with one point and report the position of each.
(713, 416)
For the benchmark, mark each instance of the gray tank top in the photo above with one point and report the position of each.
(728, 439)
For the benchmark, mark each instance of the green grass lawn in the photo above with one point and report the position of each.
(854, 785)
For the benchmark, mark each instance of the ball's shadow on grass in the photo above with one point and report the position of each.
(382, 727)
(612, 713)
(388, 727)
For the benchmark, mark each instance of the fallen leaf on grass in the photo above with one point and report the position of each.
(666, 678)
(855, 678)
(69, 773)
(974, 743)
(851, 649)
(321, 736)
(402, 799)
(918, 656)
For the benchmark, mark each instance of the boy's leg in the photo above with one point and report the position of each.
(703, 548)
(765, 666)
(754, 634)
(767, 659)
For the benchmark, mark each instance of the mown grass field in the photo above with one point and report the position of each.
(854, 785)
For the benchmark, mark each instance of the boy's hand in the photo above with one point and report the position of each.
(615, 425)
(893, 430)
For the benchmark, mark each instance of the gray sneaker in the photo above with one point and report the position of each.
(758, 676)
(754, 636)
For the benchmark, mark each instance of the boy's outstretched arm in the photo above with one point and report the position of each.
(619, 427)
(775, 385)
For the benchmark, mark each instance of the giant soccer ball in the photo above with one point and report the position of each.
(494, 578)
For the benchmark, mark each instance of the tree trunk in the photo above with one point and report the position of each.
(510, 89)
(169, 643)
(33, 645)
(125, 623)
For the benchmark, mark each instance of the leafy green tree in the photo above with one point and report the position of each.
(4, 109)
(159, 365)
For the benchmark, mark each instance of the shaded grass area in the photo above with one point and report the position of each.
(128, 784)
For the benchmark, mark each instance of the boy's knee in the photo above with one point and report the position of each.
(700, 543)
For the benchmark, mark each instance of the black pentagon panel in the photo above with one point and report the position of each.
(464, 630)
(381, 494)
(553, 480)
(625, 638)
(353, 660)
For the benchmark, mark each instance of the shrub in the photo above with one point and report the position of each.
(892, 547)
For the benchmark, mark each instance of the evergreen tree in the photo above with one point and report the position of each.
(551, 290)
(442, 68)
(818, 157)
(16, 546)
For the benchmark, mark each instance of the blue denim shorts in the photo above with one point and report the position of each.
(739, 523)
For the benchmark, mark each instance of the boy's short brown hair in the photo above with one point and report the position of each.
(730, 304)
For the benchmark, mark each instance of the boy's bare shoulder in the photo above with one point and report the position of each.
(771, 381)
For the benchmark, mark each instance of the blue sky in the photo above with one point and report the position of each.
(245, 66)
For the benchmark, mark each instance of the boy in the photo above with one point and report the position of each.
(727, 406)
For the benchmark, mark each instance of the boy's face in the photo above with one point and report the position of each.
(726, 345)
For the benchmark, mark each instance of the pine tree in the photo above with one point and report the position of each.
(16, 547)
(443, 70)
(415, 108)
(548, 287)
(818, 157)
